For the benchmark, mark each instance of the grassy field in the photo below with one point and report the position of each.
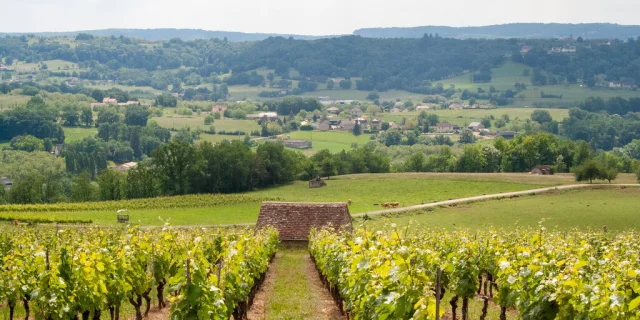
(364, 190)
(9, 101)
(461, 117)
(617, 208)
(178, 122)
(508, 74)
(334, 141)
(77, 134)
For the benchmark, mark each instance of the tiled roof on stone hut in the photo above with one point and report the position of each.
(294, 220)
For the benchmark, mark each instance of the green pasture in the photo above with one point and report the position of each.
(178, 122)
(616, 208)
(507, 75)
(8, 101)
(78, 133)
(466, 116)
(364, 190)
(334, 141)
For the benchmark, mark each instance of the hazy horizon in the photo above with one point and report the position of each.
(329, 17)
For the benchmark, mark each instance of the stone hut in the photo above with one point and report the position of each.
(542, 170)
(317, 183)
(294, 220)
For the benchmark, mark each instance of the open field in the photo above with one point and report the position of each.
(364, 190)
(617, 208)
(78, 133)
(334, 141)
(508, 74)
(178, 122)
(8, 100)
(461, 117)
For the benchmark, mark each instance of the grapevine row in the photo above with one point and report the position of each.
(186, 201)
(203, 274)
(541, 274)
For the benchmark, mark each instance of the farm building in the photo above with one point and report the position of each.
(542, 170)
(475, 126)
(423, 108)
(324, 126)
(333, 110)
(444, 127)
(356, 112)
(294, 220)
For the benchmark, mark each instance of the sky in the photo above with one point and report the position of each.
(321, 17)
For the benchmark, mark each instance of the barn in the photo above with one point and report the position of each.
(294, 220)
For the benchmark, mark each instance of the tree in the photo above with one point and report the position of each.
(356, 129)
(140, 183)
(70, 115)
(97, 95)
(500, 123)
(86, 116)
(166, 100)
(325, 163)
(330, 85)
(82, 189)
(541, 116)
(373, 96)
(609, 174)
(588, 171)
(136, 115)
(416, 162)
(108, 116)
(486, 122)
(111, 185)
(466, 136)
(345, 84)
(177, 165)
(27, 143)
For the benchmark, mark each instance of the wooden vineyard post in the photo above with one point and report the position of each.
(438, 274)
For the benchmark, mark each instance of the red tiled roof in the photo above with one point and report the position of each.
(294, 220)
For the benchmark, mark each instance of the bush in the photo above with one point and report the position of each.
(306, 127)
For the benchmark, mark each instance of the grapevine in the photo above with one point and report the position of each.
(542, 274)
(65, 274)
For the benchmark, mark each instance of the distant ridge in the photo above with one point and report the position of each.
(168, 33)
(513, 30)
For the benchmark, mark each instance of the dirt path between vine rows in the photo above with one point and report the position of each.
(292, 290)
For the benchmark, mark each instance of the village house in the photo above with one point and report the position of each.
(333, 110)
(423, 108)
(444, 127)
(347, 125)
(324, 126)
(376, 125)
(525, 49)
(108, 100)
(395, 110)
(6, 183)
(356, 112)
(455, 106)
(475, 126)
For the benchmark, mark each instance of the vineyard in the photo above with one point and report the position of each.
(49, 273)
(532, 273)
(187, 201)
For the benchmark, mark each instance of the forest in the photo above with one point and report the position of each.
(376, 64)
